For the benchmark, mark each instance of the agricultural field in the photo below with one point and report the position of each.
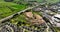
(8, 8)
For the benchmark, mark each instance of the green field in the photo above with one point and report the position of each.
(8, 8)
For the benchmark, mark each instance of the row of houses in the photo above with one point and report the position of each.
(55, 7)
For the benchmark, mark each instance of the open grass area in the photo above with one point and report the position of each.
(8, 8)
(57, 29)
(52, 1)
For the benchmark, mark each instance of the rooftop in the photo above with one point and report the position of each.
(57, 15)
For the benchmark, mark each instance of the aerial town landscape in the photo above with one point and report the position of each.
(29, 15)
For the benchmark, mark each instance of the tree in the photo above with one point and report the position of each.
(8, 0)
(52, 1)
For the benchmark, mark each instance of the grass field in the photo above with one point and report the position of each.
(8, 8)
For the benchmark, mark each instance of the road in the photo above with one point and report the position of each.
(18, 13)
(50, 25)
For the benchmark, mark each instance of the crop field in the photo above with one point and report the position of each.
(8, 8)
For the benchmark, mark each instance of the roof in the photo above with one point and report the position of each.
(57, 15)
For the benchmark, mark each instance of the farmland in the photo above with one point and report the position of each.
(8, 8)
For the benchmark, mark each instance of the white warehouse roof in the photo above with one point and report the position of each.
(57, 15)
